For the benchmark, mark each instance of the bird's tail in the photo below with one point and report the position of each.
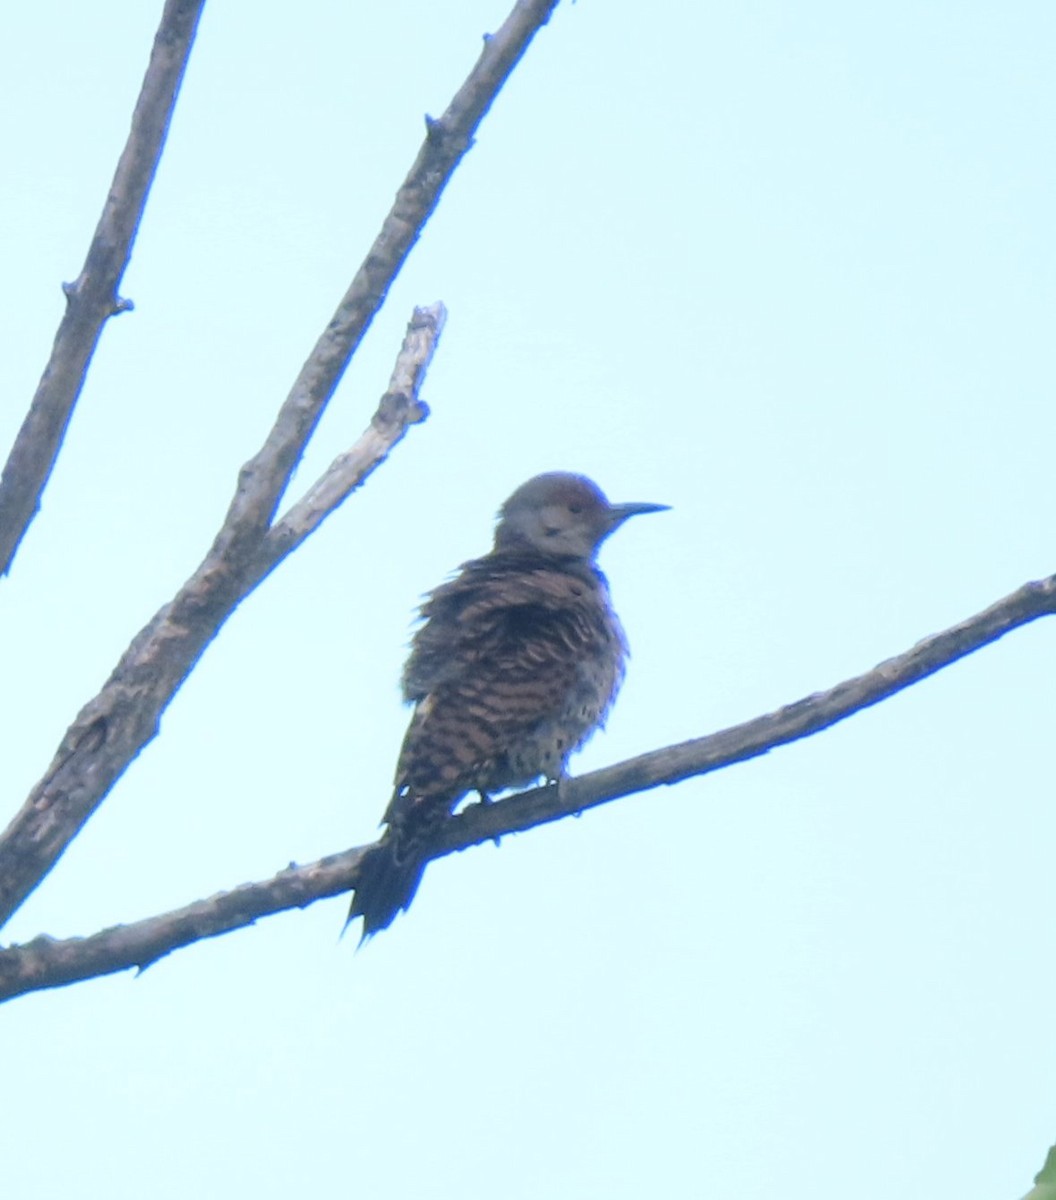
(389, 876)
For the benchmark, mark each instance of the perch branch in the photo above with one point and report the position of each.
(46, 962)
(93, 299)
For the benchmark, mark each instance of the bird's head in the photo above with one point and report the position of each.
(562, 515)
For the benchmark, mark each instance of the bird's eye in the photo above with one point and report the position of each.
(575, 508)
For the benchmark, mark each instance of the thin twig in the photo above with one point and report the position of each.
(46, 963)
(93, 298)
(399, 407)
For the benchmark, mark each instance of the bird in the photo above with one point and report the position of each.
(516, 663)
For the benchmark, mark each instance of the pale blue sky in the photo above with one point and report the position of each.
(788, 268)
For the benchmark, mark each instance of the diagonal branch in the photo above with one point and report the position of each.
(263, 479)
(45, 962)
(92, 299)
(113, 727)
(701, 756)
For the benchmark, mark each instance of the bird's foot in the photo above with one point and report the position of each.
(486, 799)
(563, 783)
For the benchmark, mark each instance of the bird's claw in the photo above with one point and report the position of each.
(486, 799)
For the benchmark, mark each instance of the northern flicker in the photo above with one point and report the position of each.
(515, 665)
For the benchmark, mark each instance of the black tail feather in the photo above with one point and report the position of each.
(389, 876)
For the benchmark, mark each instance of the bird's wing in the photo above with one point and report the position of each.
(500, 658)
(478, 614)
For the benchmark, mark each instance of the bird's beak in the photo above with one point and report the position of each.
(618, 513)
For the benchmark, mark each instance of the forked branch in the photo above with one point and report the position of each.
(116, 724)
(113, 727)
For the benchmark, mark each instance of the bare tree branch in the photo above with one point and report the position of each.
(399, 407)
(113, 727)
(700, 756)
(93, 299)
(263, 479)
(45, 962)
